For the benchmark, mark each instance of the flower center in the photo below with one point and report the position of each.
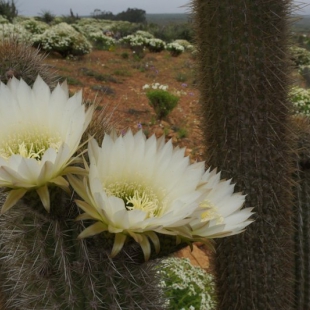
(136, 197)
(29, 143)
(211, 212)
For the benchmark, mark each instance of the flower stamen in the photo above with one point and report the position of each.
(29, 143)
(211, 212)
(136, 197)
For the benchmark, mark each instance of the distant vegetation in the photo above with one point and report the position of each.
(164, 19)
(8, 9)
(301, 23)
(130, 15)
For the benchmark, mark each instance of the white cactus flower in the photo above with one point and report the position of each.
(138, 187)
(219, 213)
(40, 132)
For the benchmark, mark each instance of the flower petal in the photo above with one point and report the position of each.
(92, 230)
(12, 198)
(45, 197)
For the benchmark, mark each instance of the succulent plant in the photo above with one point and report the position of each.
(243, 75)
(19, 59)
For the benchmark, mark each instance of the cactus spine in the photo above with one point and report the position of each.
(20, 59)
(44, 266)
(243, 82)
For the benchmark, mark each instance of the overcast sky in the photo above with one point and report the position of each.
(85, 7)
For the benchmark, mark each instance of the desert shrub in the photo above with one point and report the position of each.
(70, 18)
(3, 20)
(136, 43)
(155, 45)
(46, 16)
(144, 34)
(134, 40)
(175, 49)
(64, 39)
(20, 59)
(304, 71)
(34, 26)
(125, 28)
(18, 31)
(186, 287)
(187, 45)
(125, 55)
(8, 9)
(162, 101)
(101, 41)
(171, 32)
(300, 56)
(300, 98)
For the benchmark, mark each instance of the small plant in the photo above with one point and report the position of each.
(98, 76)
(162, 101)
(19, 59)
(122, 72)
(182, 133)
(156, 45)
(300, 56)
(300, 98)
(185, 286)
(47, 16)
(181, 77)
(175, 49)
(125, 55)
(71, 80)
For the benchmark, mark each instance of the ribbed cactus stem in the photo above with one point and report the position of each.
(301, 126)
(45, 266)
(243, 64)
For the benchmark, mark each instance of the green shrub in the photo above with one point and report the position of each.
(8, 9)
(125, 55)
(47, 16)
(186, 287)
(162, 101)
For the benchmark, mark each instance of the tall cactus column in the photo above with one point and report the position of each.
(301, 126)
(243, 82)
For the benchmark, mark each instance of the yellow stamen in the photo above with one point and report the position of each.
(29, 143)
(211, 212)
(137, 197)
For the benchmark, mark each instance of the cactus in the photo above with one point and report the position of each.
(44, 266)
(243, 64)
(301, 126)
(19, 59)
